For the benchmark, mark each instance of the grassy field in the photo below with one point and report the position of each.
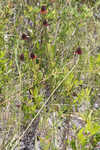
(50, 74)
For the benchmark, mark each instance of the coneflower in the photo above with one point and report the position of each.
(43, 10)
(32, 56)
(78, 51)
(22, 57)
(45, 23)
(25, 37)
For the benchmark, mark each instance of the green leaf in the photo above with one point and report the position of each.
(51, 51)
(73, 144)
(33, 108)
(81, 137)
(35, 92)
(98, 59)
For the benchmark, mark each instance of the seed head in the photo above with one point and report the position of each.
(43, 10)
(24, 36)
(32, 56)
(45, 23)
(78, 51)
(22, 57)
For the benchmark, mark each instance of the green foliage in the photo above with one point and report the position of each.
(30, 80)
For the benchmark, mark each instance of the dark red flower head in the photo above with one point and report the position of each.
(74, 94)
(22, 57)
(78, 51)
(24, 36)
(18, 105)
(43, 10)
(45, 23)
(32, 56)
